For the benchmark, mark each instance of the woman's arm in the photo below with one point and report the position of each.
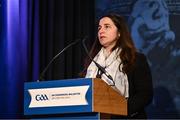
(141, 91)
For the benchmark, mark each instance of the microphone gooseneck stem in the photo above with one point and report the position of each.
(42, 74)
(98, 65)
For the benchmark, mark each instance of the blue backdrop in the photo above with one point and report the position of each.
(154, 26)
(15, 49)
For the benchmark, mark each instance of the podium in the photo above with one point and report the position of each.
(85, 98)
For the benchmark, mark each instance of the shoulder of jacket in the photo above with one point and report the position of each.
(140, 56)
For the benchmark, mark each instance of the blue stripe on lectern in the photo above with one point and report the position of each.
(58, 109)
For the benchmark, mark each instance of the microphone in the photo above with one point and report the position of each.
(64, 49)
(102, 69)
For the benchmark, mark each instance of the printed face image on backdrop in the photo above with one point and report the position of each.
(154, 28)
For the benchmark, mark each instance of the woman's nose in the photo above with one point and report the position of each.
(101, 31)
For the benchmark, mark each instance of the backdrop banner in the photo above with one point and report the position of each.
(154, 28)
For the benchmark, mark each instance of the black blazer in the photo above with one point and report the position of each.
(140, 88)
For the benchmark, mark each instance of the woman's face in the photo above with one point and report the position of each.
(107, 33)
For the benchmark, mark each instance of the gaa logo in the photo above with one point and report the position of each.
(41, 97)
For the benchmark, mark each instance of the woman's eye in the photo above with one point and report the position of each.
(107, 27)
(104, 27)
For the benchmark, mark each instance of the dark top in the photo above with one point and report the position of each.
(140, 88)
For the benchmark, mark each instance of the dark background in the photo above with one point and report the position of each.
(62, 22)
